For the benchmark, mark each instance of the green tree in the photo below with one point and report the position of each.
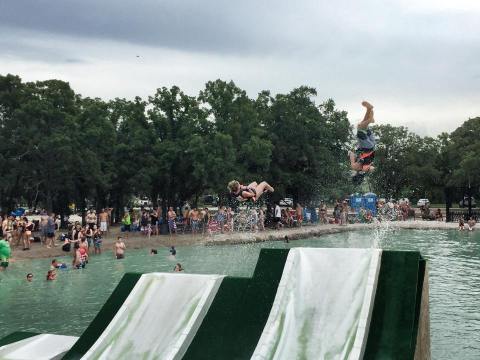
(309, 154)
(235, 114)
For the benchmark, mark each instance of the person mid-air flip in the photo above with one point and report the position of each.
(361, 160)
(251, 191)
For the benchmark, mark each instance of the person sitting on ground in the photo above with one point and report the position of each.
(252, 191)
(361, 160)
(471, 223)
(178, 268)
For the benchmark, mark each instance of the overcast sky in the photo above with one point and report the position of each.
(417, 61)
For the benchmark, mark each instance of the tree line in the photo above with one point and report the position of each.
(58, 147)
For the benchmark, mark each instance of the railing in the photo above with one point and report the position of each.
(456, 215)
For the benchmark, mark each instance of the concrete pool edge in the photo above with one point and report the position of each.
(310, 231)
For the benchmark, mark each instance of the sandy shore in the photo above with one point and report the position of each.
(138, 241)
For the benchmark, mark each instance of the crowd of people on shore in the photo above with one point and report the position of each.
(82, 241)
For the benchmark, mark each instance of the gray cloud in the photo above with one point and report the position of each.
(247, 26)
(420, 60)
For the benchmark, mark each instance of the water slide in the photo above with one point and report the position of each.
(158, 319)
(39, 347)
(299, 304)
(323, 305)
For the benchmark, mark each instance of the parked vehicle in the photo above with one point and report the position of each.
(423, 202)
(464, 202)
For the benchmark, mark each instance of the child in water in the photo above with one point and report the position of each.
(178, 268)
(51, 275)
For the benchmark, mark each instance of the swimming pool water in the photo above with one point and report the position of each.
(66, 306)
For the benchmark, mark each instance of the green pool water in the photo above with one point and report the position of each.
(67, 305)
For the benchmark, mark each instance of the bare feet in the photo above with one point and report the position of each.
(367, 105)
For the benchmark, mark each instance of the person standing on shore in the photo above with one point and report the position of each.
(51, 231)
(299, 214)
(7, 228)
(194, 220)
(43, 226)
(91, 218)
(277, 216)
(261, 220)
(103, 217)
(172, 226)
(205, 220)
(97, 241)
(343, 214)
(126, 221)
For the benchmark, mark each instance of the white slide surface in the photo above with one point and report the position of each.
(159, 318)
(323, 305)
(38, 347)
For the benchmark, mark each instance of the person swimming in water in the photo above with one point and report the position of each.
(51, 275)
(178, 268)
(56, 265)
(252, 191)
(361, 160)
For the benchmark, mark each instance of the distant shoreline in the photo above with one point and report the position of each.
(138, 241)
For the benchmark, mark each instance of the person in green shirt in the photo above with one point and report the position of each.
(5, 253)
(126, 221)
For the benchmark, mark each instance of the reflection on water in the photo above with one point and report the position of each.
(67, 305)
